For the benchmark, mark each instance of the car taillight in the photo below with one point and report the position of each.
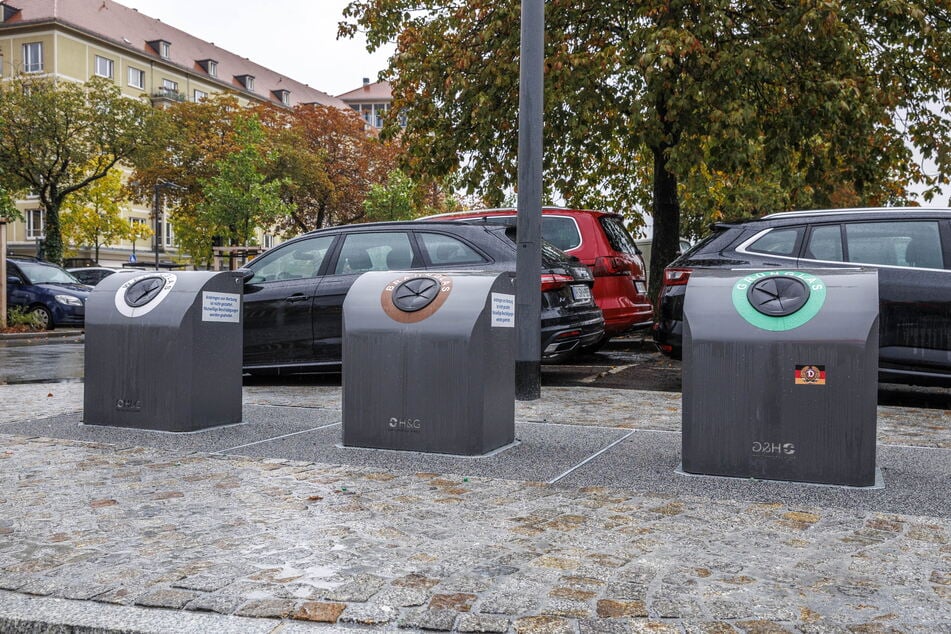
(676, 277)
(554, 281)
(611, 265)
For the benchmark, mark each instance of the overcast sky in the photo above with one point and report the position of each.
(297, 38)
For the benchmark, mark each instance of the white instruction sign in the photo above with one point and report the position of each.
(503, 310)
(220, 307)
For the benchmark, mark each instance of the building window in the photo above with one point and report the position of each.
(36, 223)
(212, 67)
(163, 48)
(33, 57)
(169, 234)
(136, 78)
(200, 94)
(169, 88)
(246, 80)
(372, 113)
(268, 241)
(284, 96)
(104, 67)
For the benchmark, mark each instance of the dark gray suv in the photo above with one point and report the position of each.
(910, 248)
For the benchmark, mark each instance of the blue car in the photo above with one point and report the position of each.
(53, 295)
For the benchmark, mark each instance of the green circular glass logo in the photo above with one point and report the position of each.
(779, 304)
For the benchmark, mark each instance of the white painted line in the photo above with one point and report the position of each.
(600, 375)
(606, 427)
(296, 433)
(592, 457)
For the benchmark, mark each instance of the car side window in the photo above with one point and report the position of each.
(778, 242)
(298, 260)
(561, 232)
(617, 235)
(443, 249)
(374, 251)
(903, 243)
(825, 243)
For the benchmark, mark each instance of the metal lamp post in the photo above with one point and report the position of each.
(529, 256)
(3, 272)
(157, 211)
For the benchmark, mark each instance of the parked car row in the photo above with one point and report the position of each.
(592, 280)
(909, 247)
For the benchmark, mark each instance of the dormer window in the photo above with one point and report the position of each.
(284, 96)
(210, 66)
(246, 80)
(162, 47)
(8, 12)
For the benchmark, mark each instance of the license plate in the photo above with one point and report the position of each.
(581, 293)
(641, 287)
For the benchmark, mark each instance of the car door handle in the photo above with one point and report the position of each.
(297, 297)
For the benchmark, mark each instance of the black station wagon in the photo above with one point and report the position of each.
(910, 248)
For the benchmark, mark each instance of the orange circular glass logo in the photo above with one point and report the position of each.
(413, 298)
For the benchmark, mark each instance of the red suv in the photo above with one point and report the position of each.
(601, 242)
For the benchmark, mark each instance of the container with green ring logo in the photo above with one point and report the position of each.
(815, 288)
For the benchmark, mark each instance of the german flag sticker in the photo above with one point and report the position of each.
(810, 375)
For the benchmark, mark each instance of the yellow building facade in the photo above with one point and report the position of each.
(75, 40)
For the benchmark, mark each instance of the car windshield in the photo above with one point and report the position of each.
(46, 274)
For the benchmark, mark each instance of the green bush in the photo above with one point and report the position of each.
(20, 316)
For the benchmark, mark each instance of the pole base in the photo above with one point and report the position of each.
(528, 380)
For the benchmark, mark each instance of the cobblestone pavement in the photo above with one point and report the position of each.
(272, 544)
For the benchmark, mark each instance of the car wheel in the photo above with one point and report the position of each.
(42, 317)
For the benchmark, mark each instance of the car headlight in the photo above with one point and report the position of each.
(69, 300)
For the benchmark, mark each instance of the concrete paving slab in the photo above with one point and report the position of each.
(543, 452)
(25, 613)
(917, 479)
(260, 422)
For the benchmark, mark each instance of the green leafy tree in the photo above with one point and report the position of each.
(58, 137)
(393, 200)
(8, 209)
(92, 216)
(238, 199)
(402, 198)
(814, 102)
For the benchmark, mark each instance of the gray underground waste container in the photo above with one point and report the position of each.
(780, 375)
(429, 362)
(163, 351)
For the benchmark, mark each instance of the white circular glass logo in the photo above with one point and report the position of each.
(140, 294)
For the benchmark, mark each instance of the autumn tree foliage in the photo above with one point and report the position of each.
(196, 136)
(92, 216)
(56, 138)
(722, 108)
(240, 198)
(330, 162)
(238, 169)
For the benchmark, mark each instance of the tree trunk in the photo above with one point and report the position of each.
(53, 240)
(666, 212)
